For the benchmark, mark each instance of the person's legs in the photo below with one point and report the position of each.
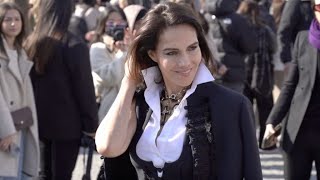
(264, 106)
(45, 160)
(316, 154)
(64, 156)
(298, 163)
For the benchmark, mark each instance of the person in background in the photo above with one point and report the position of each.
(110, 70)
(63, 89)
(108, 46)
(276, 9)
(84, 20)
(134, 14)
(178, 123)
(259, 67)
(235, 39)
(19, 149)
(296, 16)
(298, 108)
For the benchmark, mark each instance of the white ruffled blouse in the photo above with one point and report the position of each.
(168, 146)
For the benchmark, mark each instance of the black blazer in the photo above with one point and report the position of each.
(236, 150)
(64, 94)
(296, 91)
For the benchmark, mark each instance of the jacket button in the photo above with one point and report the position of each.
(11, 103)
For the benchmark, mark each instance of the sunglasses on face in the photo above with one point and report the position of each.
(317, 7)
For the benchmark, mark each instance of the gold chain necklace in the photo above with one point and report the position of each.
(169, 102)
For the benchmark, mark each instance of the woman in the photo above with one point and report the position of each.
(19, 149)
(107, 56)
(297, 107)
(63, 89)
(108, 47)
(259, 67)
(181, 116)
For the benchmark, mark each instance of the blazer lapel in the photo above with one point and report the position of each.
(14, 70)
(313, 63)
(25, 66)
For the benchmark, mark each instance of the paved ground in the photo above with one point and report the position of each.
(80, 168)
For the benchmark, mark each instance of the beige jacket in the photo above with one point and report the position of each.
(108, 71)
(16, 92)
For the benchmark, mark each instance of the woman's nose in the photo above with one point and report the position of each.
(184, 60)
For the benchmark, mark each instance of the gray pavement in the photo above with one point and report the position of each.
(80, 167)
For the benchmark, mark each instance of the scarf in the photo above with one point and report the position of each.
(314, 34)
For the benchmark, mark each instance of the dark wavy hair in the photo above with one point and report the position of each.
(4, 7)
(49, 30)
(153, 24)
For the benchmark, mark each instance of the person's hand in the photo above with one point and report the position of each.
(129, 36)
(269, 132)
(6, 142)
(108, 40)
(128, 69)
(121, 45)
(127, 39)
(90, 35)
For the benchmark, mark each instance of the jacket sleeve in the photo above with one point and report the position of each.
(6, 123)
(82, 85)
(283, 103)
(288, 22)
(111, 73)
(251, 159)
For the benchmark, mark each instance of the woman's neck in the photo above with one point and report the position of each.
(176, 91)
(10, 42)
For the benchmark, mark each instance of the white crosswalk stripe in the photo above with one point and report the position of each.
(272, 166)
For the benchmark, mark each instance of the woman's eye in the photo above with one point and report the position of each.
(7, 19)
(193, 48)
(171, 53)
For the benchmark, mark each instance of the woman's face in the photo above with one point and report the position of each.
(115, 19)
(12, 24)
(178, 56)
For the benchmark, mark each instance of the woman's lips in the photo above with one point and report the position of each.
(185, 72)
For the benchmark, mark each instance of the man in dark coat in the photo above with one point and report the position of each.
(234, 37)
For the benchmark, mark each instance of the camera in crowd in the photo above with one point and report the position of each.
(116, 31)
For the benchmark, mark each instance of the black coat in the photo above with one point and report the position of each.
(296, 16)
(296, 92)
(236, 151)
(64, 94)
(234, 37)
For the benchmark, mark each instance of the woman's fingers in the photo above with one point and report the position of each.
(6, 142)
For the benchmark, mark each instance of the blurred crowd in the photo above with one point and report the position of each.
(78, 51)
